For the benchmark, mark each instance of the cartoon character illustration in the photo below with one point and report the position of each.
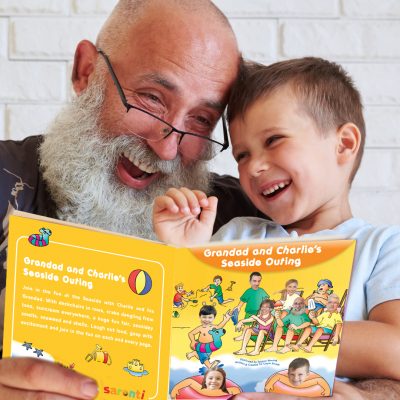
(180, 296)
(135, 368)
(261, 327)
(320, 296)
(298, 380)
(252, 297)
(288, 295)
(42, 239)
(216, 286)
(213, 384)
(329, 322)
(208, 336)
(99, 355)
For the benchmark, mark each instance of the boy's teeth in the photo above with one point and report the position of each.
(274, 188)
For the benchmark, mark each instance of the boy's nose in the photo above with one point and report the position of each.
(259, 165)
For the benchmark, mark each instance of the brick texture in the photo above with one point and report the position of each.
(38, 39)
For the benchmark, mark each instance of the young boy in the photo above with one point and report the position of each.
(207, 342)
(216, 286)
(179, 296)
(298, 133)
(298, 380)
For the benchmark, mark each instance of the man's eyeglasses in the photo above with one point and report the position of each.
(195, 145)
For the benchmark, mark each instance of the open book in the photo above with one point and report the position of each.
(151, 321)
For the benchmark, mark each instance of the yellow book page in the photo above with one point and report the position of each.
(217, 278)
(91, 301)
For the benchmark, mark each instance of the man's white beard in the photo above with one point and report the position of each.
(79, 159)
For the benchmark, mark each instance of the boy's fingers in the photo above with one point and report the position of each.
(33, 375)
(162, 203)
(209, 213)
(192, 197)
(180, 198)
(201, 198)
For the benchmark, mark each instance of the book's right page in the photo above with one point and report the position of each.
(255, 317)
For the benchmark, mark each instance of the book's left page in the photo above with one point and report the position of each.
(92, 301)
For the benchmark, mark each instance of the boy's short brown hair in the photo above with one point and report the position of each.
(324, 89)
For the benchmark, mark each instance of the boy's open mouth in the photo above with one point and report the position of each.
(276, 189)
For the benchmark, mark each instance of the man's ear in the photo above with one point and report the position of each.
(349, 141)
(84, 64)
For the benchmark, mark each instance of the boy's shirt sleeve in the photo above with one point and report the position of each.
(384, 282)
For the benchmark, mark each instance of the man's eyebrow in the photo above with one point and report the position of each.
(161, 80)
(167, 84)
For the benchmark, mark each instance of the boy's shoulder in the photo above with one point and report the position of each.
(368, 234)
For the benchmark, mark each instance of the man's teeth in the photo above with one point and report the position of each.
(133, 158)
(274, 188)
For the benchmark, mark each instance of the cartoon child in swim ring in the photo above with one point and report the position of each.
(213, 385)
(298, 380)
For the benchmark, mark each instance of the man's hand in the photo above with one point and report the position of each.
(27, 378)
(184, 217)
(341, 391)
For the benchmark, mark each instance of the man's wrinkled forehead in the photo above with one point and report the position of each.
(174, 31)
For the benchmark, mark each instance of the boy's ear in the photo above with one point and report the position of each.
(84, 64)
(349, 141)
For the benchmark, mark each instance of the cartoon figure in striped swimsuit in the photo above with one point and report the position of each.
(42, 239)
(206, 338)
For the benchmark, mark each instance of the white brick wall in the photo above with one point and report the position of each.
(37, 41)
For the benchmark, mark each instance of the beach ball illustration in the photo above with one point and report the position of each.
(140, 282)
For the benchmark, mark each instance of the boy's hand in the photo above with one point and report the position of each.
(184, 217)
(27, 378)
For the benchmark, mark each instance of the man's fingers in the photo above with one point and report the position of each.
(37, 375)
(20, 394)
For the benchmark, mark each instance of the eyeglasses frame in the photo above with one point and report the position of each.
(128, 106)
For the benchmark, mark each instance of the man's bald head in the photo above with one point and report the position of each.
(128, 13)
(176, 61)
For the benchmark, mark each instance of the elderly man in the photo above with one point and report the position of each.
(292, 324)
(326, 322)
(149, 95)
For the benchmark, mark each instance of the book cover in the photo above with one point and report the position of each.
(151, 321)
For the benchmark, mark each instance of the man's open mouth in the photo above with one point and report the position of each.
(276, 189)
(136, 168)
(135, 173)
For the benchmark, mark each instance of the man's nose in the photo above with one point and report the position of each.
(167, 148)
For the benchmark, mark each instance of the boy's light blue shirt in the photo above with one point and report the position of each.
(376, 271)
